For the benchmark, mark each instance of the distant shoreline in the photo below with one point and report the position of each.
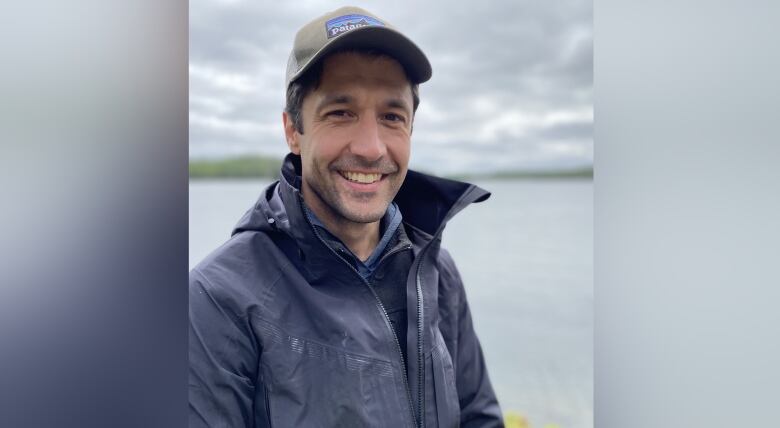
(253, 167)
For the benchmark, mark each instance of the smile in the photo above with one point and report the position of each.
(360, 177)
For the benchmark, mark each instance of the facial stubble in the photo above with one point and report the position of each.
(333, 199)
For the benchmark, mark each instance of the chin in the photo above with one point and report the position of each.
(364, 215)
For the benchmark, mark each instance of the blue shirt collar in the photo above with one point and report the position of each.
(388, 226)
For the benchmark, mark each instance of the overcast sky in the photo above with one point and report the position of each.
(512, 82)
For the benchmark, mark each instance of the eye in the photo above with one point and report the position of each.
(338, 113)
(392, 117)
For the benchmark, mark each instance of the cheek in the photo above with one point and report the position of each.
(400, 151)
(324, 147)
(311, 155)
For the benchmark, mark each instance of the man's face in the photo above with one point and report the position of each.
(356, 134)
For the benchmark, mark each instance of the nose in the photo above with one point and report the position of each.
(367, 141)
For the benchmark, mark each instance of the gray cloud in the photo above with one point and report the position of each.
(512, 83)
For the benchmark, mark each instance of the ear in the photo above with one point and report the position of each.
(291, 134)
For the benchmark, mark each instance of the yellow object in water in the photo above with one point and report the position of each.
(515, 420)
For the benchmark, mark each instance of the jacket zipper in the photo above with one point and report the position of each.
(382, 309)
(267, 405)
(420, 331)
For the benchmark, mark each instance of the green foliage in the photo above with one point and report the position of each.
(268, 167)
(585, 173)
(240, 167)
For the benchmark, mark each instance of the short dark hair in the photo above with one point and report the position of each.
(310, 80)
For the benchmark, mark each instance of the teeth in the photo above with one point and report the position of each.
(361, 178)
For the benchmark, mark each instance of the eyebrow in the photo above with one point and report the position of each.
(398, 103)
(334, 99)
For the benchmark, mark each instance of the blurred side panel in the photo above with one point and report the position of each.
(687, 202)
(93, 224)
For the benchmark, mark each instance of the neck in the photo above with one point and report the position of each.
(360, 238)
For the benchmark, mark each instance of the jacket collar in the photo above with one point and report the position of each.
(426, 202)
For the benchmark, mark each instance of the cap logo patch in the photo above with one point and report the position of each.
(346, 23)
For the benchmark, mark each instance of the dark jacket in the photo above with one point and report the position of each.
(285, 333)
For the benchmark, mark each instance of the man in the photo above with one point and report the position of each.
(333, 304)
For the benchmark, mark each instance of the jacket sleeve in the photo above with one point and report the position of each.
(478, 404)
(222, 359)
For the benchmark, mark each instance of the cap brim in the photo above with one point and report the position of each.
(384, 39)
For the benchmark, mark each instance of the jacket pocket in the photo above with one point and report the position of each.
(312, 384)
(447, 406)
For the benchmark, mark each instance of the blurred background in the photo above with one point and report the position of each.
(93, 157)
(509, 108)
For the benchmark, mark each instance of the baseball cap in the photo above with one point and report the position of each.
(353, 27)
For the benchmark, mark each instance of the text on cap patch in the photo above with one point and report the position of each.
(346, 23)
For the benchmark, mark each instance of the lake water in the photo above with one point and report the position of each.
(526, 258)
